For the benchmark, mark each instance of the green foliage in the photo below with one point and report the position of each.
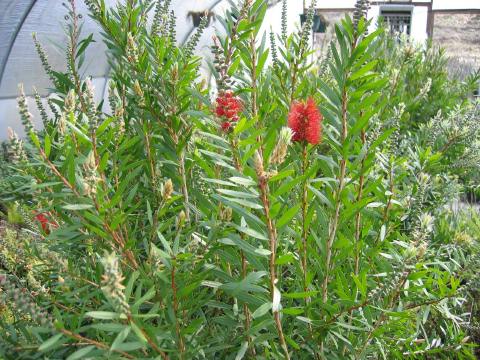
(168, 237)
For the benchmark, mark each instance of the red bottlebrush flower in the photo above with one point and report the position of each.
(226, 126)
(306, 121)
(44, 221)
(228, 106)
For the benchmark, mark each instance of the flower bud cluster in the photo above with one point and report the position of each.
(307, 27)
(69, 103)
(224, 81)
(25, 115)
(172, 31)
(228, 107)
(91, 178)
(425, 89)
(361, 10)
(53, 108)
(116, 105)
(273, 49)
(17, 152)
(160, 18)
(91, 105)
(41, 108)
(112, 286)
(139, 92)
(44, 59)
(132, 49)
(21, 300)
(94, 7)
(195, 38)
(226, 214)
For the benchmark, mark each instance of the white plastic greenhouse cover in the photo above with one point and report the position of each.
(19, 62)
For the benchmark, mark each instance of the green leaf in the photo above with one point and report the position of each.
(239, 194)
(288, 216)
(120, 338)
(48, 145)
(242, 181)
(261, 62)
(284, 259)
(149, 213)
(241, 352)
(54, 340)
(246, 203)
(139, 333)
(130, 346)
(262, 310)
(366, 68)
(77, 206)
(103, 315)
(293, 311)
(245, 246)
(81, 353)
(251, 232)
(300, 295)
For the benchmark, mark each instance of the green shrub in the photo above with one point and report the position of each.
(199, 228)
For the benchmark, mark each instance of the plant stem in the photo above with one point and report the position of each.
(183, 176)
(338, 201)
(181, 345)
(358, 216)
(304, 218)
(93, 342)
(272, 234)
(358, 229)
(246, 310)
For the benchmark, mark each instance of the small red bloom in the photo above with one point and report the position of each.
(306, 121)
(228, 106)
(44, 221)
(226, 126)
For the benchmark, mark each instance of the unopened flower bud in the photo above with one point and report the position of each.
(167, 190)
(258, 163)
(181, 218)
(90, 161)
(423, 179)
(426, 222)
(280, 151)
(62, 124)
(138, 88)
(226, 214)
(422, 249)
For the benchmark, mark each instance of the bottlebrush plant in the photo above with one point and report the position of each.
(276, 219)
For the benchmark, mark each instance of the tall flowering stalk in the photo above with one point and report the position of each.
(305, 121)
(262, 177)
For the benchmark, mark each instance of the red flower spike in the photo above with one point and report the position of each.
(228, 106)
(44, 221)
(306, 121)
